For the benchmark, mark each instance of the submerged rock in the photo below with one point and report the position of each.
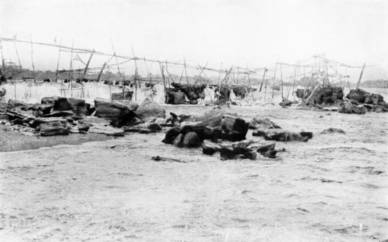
(351, 108)
(332, 131)
(266, 123)
(283, 135)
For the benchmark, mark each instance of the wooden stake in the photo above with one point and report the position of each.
(58, 59)
(70, 75)
(263, 79)
(101, 71)
(360, 77)
(164, 81)
(32, 60)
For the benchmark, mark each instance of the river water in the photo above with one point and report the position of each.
(332, 188)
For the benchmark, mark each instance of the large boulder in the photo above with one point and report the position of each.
(357, 95)
(170, 135)
(352, 108)
(78, 106)
(55, 127)
(118, 114)
(191, 140)
(175, 96)
(222, 94)
(150, 110)
(124, 95)
(266, 123)
(327, 95)
(192, 91)
(375, 99)
(283, 135)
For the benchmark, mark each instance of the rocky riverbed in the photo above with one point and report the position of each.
(332, 188)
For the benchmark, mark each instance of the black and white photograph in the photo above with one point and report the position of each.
(194, 120)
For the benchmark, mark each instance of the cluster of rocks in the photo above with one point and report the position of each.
(357, 101)
(179, 93)
(61, 116)
(226, 133)
(360, 101)
(271, 131)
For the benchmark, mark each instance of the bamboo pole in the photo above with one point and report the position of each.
(70, 74)
(18, 56)
(2, 58)
(263, 79)
(274, 80)
(184, 64)
(164, 81)
(58, 59)
(360, 77)
(101, 71)
(32, 59)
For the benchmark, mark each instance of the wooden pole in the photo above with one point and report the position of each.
(274, 80)
(187, 79)
(281, 79)
(2, 58)
(87, 65)
(101, 71)
(18, 56)
(263, 79)
(360, 77)
(164, 81)
(32, 59)
(293, 84)
(58, 59)
(70, 75)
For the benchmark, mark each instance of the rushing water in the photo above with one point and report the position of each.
(332, 188)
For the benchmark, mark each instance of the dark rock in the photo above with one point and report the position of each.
(286, 103)
(124, 95)
(54, 128)
(237, 150)
(284, 136)
(333, 130)
(191, 91)
(178, 141)
(357, 95)
(83, 128)
(171, 134)
(222, 94)
(78, 106)
(209, 148)
(257, 123)
(327, 95)
(117, 113)
(49, 100)
(191, 140)
(351, 108)
(62, 104)
(175, 96)
(154, 127)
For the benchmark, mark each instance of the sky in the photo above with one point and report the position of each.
(252, 33)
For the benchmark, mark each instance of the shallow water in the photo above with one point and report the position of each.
(332, 188)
